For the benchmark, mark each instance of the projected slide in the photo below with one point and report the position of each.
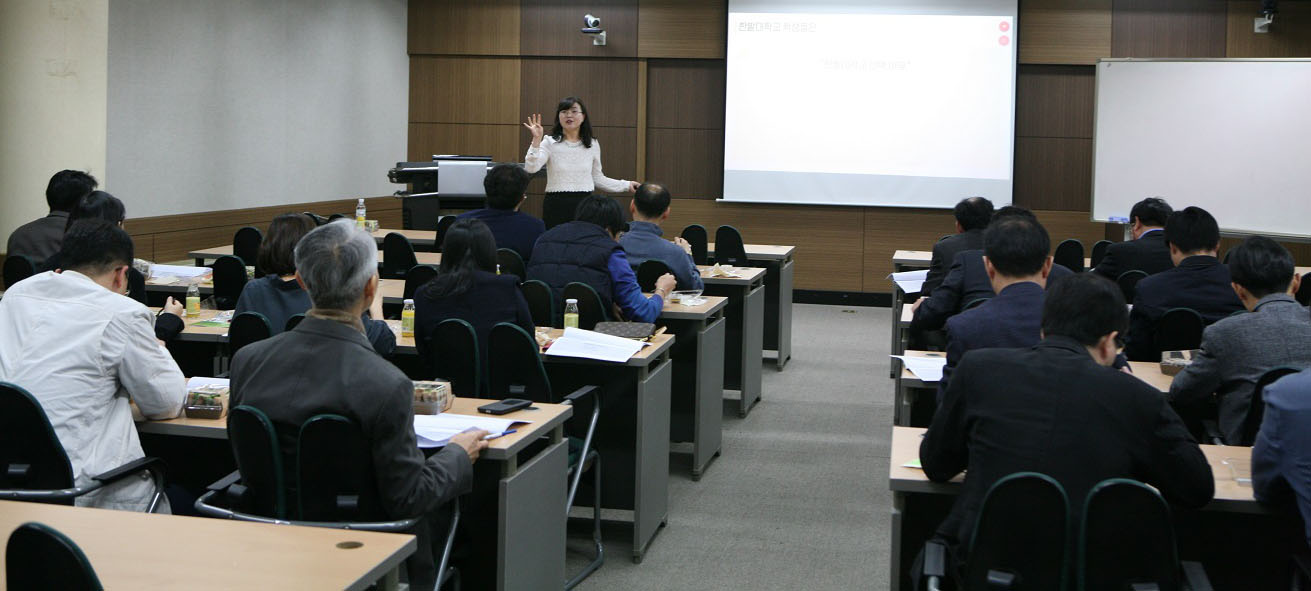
(882, 107)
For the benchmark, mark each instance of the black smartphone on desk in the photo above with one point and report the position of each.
(501, 407)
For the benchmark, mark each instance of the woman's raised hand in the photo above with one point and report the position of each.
(534, 125)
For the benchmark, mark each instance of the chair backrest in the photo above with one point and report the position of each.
(39, 557)
(1225, 260)
(245, 244)
(729, 248)
(17, 268)
(247, 328)
(974, 303)
(416, 277)
(318, 219)
(1099, 252)
(514, 365)
(1128, 282)
(455, 357)
(443, 225)
(397, 256)
(336, 216)
(649, 271)
(1179, 329)
(1256, 410)
(1070, 254)
(335, 480)
(229, 279)
(697, 236)
(541, 302)
(511, 263)
(590, 309)
(945, 236)
(1020, 533)
(1126, 538)
(294, 320)
(1303, 294)
(259, 459)
(31, 456)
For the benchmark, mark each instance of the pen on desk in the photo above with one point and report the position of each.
(502, 433)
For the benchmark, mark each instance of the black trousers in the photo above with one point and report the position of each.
(558, 208)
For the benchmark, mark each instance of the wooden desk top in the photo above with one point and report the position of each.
(146, 551)
(1150, 372)
(1302, 271)
(762, 252)
(912, 257)
(417, 237)
(392, 291)
(180, 286)
(701, 311)
(659, 344)
(425, 258)
(749, 276)
(1229, 494)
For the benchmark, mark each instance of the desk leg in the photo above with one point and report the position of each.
(709, 419)
(651, 505)
(778, 332)
(531, 519)
(894, 549)
(897, 302)
(753, 310)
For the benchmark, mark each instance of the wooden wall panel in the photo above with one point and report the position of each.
(1054, 101)
(890, 229)
(618, 151)
(464, 90)
(501, 142)
(685, 94)
(486, 27)
(1064, 31)
(690, 162)
(551, 27)
(1168, 28)
(682, 28)
(607, 87)
(1071, 224)
(1289, 36)
(1053, 173)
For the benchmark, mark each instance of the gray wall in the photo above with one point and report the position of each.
(243, 103)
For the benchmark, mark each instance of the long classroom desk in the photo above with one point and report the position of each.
(777, 259)
(526, 549)
(131, 550)
(746, 321)
(697, 394)
(214, 252)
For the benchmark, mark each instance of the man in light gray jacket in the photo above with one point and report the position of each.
(1236, 351)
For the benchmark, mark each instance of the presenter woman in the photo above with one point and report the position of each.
(572, 158)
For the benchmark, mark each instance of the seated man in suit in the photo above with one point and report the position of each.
(1147, 251)
(40, 239)
(1237, 350)
(326, 365)
(1283, 447)
(967, 281)
(642, 242)
(972, 217)
(1059, 409)
(1198, 281)
(1016, 257)
(505, 185)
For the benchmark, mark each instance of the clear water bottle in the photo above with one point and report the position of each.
(571, 313)
(193, 300)
(360, 214)
(407, 319)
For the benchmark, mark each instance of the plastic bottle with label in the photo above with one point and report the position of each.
(407, 319)
(571, 313)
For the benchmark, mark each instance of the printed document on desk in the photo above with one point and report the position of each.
(183, 271)
(437, 430)
(593, 345)
(927, 369)
(910, 281)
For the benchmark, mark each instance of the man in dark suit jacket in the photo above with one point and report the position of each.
(40, 239)
(1283, 447)
(972, 216)
(1147, 251)
(1238, 350)
(505, 185)
(326, 365)
(1198, 281)
(1059, 409)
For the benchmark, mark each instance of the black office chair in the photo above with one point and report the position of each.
(38, 556)
(1225, 260)
(417, 277)
(1256, 411)
(247, 328)
(1019, 539)
(1303, 294)
(945, 236)
(293, 321)
(443, 225)
(590, 309)
(397, 256)
(17, 268)
(1128, 542)
(516, 371)
(337, 216)
(1128, 282)
(1179, 329)
(697, 236)
(1099, 252)
(1070, 254)
(511, 263)
(229, 279)
(729, 249)
(541, 302)
(245, 245)
(974, 303)
(455, 357)
(649, 271)
(318, 219)
(33, 465)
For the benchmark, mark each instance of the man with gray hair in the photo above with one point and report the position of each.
(326, 365)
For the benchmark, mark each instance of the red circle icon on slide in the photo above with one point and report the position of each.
(1004, 26)
(1004, 41)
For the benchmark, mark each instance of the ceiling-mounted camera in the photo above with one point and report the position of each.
(592, 26)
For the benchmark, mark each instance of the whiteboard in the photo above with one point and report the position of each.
(1230, 136)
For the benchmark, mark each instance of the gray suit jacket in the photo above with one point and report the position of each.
(1237, 350)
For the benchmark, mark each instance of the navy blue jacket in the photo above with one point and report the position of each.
(966, 281)
(574, 251)
(512, 229)
(1199, 282)
(1282, 452)
(1149, 254)
(1012, 319)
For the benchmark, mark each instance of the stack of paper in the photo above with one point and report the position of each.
(437, 430)
(200, 383)
(910, 281)
(594, 345)
(927, 369)
(185, 271)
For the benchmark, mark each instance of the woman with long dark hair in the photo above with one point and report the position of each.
(572, 158)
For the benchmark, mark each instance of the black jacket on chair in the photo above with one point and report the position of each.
(966, 281)
(574, 251)
(944, 253)
(1199, 282)
(1052, 409)
(1149, 254)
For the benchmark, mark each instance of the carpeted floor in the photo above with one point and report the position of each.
(799, 498)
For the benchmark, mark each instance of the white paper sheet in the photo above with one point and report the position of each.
(201, 382)
(178, 271)
(910, 281)
(927, 369)
(594, 345)
(437, 430)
